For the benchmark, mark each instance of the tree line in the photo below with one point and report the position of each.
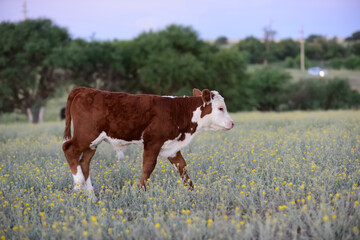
(329, 52)
(37, 58)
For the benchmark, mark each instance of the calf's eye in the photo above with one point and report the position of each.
(221, 109)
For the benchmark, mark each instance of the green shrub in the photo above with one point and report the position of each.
(307, 94)
(316, 93)
(339, 95)
(352, 62)
(225, 71)
(335, 63)
(254, 47)
(355, 48)
(269, 85)
(289, 62)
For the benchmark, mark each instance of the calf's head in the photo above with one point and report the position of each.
(212, 115)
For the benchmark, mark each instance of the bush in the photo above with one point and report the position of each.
(285, 48)
(254, 47)
(307, 94)
(339, 95)
(222, 40)
(167, 72)
(315, 93)
(226, 72)
(269, 86)
(335, 63)
(355, 48)
(289, 62)
(352, 62)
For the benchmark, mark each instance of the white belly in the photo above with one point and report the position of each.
(118, 144)
(171, 147)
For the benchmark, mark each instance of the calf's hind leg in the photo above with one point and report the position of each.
(151, 152)
(179, 163)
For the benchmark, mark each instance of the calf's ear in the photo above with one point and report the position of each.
(196, 92)
(206, 96)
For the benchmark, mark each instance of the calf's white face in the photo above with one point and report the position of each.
(218, 119)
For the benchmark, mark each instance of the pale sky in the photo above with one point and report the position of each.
(120, 19)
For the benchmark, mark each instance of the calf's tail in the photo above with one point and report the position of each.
(67, 132)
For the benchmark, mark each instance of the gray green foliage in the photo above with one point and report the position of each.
(269, 88)
(222, 40)
(355, 48)
(295, 62)
(226, 73)
(37, 58)
(28, 76)
(168, 72)
(285, 48)
(170, 60)
(317, 93)
(254, 48)
(335, 63)
(317, 48)
(352, 62)
(354, 37)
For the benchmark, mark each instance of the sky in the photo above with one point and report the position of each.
(234, 19)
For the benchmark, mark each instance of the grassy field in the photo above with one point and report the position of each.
(274, 176)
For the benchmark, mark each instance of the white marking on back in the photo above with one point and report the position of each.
(171, 147)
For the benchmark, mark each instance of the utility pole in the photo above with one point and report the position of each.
(268, 39)
(302, 50)
(25, 10)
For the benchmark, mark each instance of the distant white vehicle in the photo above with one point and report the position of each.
(317, 71)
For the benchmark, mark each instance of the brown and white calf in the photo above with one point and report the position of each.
(163, 124)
